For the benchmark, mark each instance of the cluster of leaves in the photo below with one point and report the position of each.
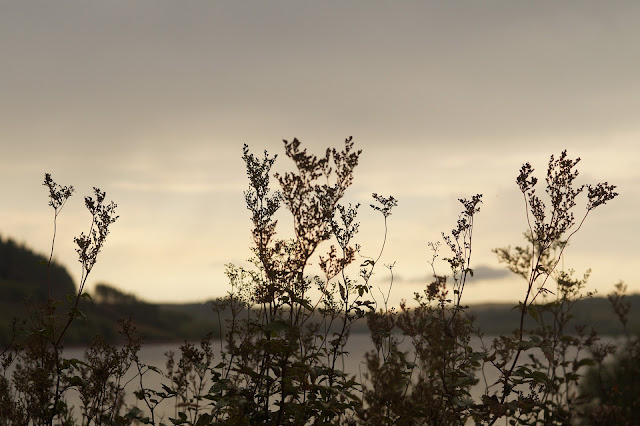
(283, 348)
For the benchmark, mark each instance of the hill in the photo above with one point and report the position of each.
(23, 285)
(23, 282)
(596, 312)
(23, 274)
(490, 318)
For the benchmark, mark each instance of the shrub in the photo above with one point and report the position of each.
(285, 330)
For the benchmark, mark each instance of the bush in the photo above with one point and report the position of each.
(285, 330)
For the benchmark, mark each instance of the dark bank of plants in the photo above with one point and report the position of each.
(281, 359)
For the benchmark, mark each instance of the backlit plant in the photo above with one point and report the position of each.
(285, 328)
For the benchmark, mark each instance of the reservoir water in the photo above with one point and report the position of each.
(352, 364)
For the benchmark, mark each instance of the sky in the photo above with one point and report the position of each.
(152, 101)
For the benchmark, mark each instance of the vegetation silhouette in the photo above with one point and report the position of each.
(285, 330)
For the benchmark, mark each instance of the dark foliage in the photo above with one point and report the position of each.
(285, 330)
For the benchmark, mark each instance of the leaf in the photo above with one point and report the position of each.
(134, 412)
(540, 377)
(583, 362)
(76, 381)
(76, 313)
(572, 376)
(367, 263)
(182, 420)
(223, 402)
(519, 306)
(155, 369)
(526, 345)
(204, 419)
(218, 387)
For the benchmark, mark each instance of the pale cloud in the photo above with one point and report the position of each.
(178, 188)
(480, 273)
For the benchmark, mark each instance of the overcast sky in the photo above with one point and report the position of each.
(152, 101)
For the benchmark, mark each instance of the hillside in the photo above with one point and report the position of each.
(490, 318)
(23, 283)
(596, 312)
(23, 274)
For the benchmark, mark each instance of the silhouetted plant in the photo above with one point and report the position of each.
(541, 389)
(41, 375)
(433, 386)
(280, 360)
(284, 330)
